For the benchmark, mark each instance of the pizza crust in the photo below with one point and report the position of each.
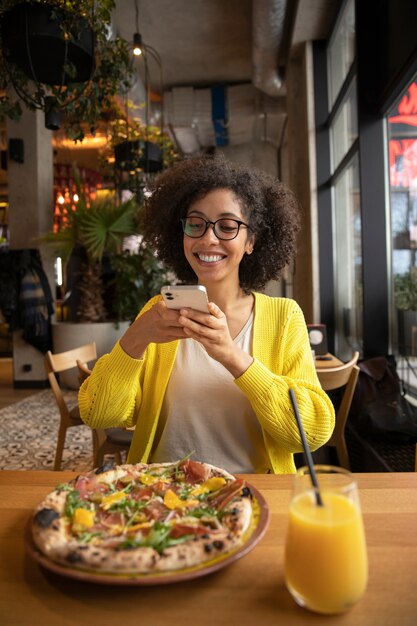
(52, 529)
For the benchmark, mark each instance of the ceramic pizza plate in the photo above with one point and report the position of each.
(258, 527)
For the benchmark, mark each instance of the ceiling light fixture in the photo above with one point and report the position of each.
(135, 155)
(137, 44)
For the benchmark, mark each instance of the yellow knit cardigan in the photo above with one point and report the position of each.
(123, 391)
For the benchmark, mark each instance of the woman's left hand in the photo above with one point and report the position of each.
(212, 331)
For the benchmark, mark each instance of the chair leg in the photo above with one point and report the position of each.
(342, 454)
(99, 444)
(60, 447)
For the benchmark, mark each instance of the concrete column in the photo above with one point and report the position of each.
(302, 177)
(30, 188)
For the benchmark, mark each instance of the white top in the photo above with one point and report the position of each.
(205, 412)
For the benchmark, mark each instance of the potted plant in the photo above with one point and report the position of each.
(73, 67)
(405, 293)
(134, 145)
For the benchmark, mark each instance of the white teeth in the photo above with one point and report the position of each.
(209, 259)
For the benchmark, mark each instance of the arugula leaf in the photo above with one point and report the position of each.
(63, 487)
(203, 512)
(158, 538)
(185, 490)
(73, 502)
(87, 536)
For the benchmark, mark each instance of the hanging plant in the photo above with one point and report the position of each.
(56, 55)
(133, 145)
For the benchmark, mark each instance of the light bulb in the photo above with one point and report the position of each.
(137, 44)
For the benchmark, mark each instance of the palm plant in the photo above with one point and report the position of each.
(99, 229)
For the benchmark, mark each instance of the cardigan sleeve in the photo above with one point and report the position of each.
(111, 395)
(267, 384)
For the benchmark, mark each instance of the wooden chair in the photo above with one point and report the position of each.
(332, 378)
(112, 441)
(61, 362)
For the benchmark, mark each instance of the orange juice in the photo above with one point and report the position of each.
(325, 561)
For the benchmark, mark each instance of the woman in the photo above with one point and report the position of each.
(215, 384)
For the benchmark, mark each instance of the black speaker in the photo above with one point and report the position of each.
(16, 150)
(318, 338)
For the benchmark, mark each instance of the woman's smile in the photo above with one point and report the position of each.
(209, 258)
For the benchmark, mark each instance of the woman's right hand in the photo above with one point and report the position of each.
(157, 325)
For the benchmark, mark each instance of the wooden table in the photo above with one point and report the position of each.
(248, 592)
(331, 361)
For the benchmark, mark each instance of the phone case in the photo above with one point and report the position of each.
(185, 296)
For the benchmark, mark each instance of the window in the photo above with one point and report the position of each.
(402, 138)
(341, 51)
(348, 260)
(344, 182)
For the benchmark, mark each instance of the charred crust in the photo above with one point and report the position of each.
(104, 468)
(246, 492)
(74, 557)
(45, 517)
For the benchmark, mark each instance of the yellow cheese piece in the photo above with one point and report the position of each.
(111, 499)
(212, 484)
(172, 501)
(135, 527)
(83, 518)
(148, 479)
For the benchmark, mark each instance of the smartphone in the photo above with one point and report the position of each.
(185, 296)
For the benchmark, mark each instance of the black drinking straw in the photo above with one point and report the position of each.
(307, 452)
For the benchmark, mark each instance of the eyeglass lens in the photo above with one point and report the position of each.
(223, 228)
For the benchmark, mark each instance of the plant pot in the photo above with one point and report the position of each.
(131, 155)
(34, 41)
(67, 335)
(407, 332)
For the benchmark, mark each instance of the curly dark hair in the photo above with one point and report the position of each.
(272, 211)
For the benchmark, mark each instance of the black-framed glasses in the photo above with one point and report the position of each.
(224, 228)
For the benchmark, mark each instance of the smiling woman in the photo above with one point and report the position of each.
(217, 382)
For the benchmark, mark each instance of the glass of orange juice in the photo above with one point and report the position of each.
(326, 566)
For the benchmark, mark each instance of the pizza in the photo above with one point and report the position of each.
(144, 518)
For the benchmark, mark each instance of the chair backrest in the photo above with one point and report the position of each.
(345, 375)
(83, 371)
(62, 361)
(335, 377)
